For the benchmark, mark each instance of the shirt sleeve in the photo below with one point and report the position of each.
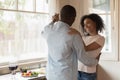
(100, 40)
(81, 55)
(47, 29)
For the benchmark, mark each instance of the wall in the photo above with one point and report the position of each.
(109, 70)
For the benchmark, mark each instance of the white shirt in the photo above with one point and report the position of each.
(94, 53)
(64, 50)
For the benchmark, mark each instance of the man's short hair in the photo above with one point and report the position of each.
(67, 11)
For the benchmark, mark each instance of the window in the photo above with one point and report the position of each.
(107, 9)
(21, 23)
(102, 7)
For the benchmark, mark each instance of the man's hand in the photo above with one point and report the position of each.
(55, 17)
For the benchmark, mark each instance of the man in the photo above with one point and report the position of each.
(64, 50)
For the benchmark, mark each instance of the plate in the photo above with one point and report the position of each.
(30, 74)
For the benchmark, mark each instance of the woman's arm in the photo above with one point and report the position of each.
(92, 46)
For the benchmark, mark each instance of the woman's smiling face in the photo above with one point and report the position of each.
(89, 26)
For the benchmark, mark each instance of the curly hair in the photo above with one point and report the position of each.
(95, 18)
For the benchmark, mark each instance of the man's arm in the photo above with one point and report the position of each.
(47, 28)
(80, 50)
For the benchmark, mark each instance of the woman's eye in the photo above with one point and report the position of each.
(88, 24)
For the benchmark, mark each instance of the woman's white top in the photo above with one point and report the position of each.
(94, 53)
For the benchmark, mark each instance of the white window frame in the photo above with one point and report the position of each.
(52, 9)
(113, 55)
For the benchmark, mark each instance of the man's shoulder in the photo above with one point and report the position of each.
(76, 37)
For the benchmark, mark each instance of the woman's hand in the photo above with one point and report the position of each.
(98, 57)
(73, 31)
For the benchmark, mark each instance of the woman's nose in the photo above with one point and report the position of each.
(86, 26)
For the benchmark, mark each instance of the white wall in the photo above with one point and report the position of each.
(109, 70)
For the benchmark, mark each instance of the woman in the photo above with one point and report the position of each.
(91, 24)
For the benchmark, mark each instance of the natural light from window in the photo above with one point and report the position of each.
(21, 23)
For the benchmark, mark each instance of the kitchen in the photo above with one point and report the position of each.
(22, 21)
